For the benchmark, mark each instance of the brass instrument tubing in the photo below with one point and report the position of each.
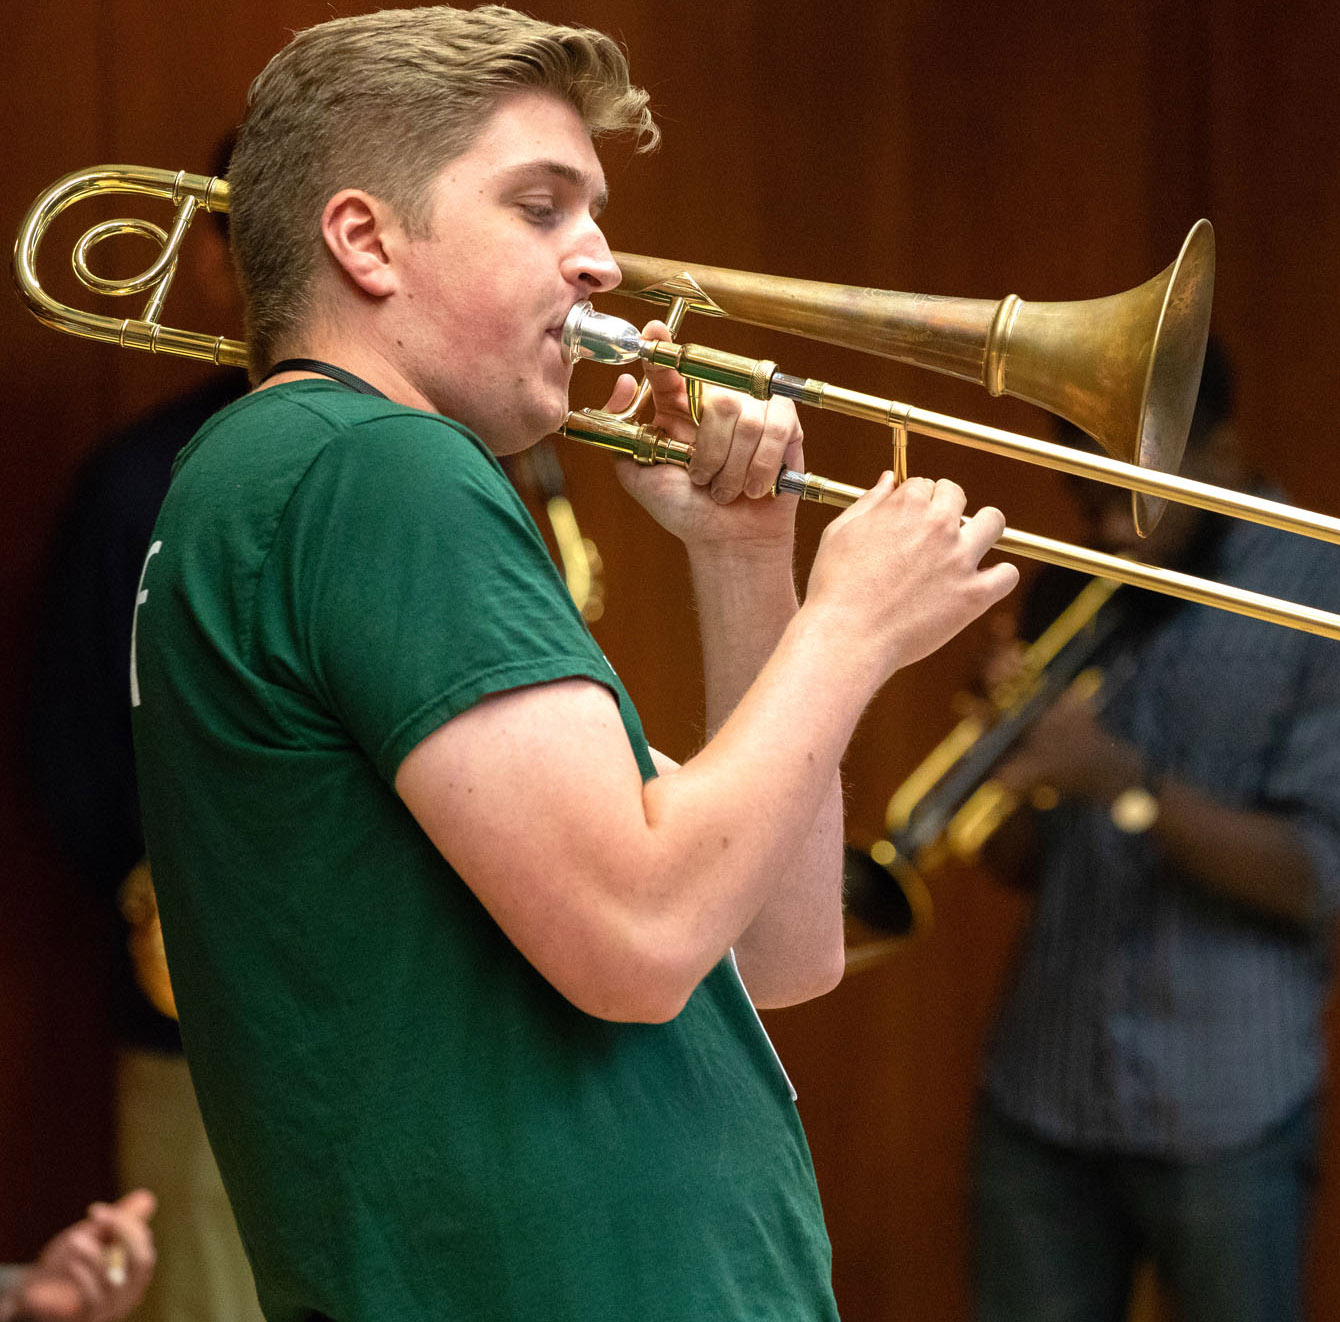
(1099, 467)
(1154, 578)
(647, 445)
(760, 379)
(131, 333)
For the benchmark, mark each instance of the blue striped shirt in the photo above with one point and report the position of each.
(1146, 1015)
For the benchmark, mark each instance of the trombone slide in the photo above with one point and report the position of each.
(595, 335)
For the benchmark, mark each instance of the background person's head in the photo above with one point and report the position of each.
(382, 102)
(1211, 455)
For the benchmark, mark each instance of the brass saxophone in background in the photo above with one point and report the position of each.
(949, 806)
(537, 471)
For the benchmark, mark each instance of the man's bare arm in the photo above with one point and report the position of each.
(635, 892)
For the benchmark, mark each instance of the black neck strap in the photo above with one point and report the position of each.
(323, 369)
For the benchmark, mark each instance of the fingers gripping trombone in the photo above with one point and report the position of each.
(589, 334)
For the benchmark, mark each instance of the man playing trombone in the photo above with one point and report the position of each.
(460, 962)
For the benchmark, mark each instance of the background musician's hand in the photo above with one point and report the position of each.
(95, 1270)
(1002, 663)
(1070, 751)
(741, 445)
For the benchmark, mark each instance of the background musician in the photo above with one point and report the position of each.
(1151, 1086)
(82, 766)
(461, 963)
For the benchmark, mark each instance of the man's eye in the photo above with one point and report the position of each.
(540, 212)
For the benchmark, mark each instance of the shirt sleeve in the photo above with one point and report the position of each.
(417, 584)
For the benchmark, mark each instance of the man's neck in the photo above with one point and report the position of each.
(363, 360)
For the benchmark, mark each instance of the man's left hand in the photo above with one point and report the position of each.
(739, 449)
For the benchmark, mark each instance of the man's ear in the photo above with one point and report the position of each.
(354, 226)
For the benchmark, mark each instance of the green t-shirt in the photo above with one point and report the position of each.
(411, 1123)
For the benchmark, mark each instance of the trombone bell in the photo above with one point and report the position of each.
(1125, 369)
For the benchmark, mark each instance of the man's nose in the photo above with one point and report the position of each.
(592, 263)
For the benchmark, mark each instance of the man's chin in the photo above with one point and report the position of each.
(528, 431)
(558, 416)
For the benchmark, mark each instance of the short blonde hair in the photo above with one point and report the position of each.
(382, 102)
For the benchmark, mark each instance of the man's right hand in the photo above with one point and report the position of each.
(901, 569)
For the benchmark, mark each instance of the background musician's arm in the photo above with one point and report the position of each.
(1259, 859)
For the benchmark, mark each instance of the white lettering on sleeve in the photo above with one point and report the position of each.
(141, 596)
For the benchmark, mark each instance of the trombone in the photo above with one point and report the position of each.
(1124, 368)
(1015, 362)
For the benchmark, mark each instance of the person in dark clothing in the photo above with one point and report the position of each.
(82, 765)
(1152, 1084)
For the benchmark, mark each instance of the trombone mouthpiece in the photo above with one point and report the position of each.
(596, 335)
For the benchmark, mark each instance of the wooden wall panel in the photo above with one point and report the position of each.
(53, 1114)
(914, 145)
